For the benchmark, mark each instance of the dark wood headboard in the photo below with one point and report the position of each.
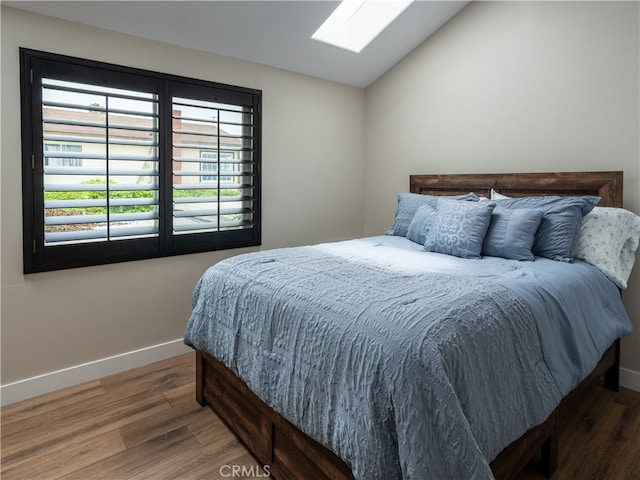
(607, 185)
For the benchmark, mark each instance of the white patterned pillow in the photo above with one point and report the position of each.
(608, 240)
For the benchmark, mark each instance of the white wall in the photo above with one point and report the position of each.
(313, 157)
(513, 87)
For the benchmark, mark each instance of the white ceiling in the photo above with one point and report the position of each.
(274, 33)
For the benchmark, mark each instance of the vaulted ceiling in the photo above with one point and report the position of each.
(274, 33)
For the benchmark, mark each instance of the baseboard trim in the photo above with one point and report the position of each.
(68, 377)
(630, 379)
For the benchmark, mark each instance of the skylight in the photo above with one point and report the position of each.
(354, 23)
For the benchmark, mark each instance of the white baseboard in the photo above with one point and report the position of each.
(50, 382)
(68, 377)
(630, 379)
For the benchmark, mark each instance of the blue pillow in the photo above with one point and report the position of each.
(557, 235)
(419, 226)
(408, 205)
(459, 228)
(511, 233)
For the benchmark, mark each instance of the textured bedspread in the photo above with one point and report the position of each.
(402, 372)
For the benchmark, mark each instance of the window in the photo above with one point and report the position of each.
(124, 164)
(355, 23)
(210, 164)
(59, 161)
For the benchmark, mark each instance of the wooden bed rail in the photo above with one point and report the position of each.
(293, 455)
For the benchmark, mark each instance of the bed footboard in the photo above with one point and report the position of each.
(291, 454)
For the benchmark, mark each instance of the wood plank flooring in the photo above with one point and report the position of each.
(146, 424)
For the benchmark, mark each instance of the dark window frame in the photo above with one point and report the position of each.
(39, 257)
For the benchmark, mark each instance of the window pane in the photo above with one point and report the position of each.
(100, 169)
(62, 161)
(213, 176)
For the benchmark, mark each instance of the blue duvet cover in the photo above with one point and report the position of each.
(406, 364)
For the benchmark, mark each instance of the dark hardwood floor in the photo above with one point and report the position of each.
(146, 424)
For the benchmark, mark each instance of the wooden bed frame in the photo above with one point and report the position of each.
(291, 454)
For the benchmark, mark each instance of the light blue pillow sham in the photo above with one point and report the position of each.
(511, 233)
(459, 228)
(557, 235)
(408, 205)
(419, 226)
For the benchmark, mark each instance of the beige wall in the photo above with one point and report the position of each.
(313, 158)
(505, 86)
(513, 86)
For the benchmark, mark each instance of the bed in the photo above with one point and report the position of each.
(382, 424)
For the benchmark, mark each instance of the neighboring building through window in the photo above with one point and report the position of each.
(122, 164)
(56, 160)
(212, 165)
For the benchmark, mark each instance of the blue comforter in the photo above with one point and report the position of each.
(406, 364)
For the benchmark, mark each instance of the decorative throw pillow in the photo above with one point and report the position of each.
(557, 235)
(408, 205)
(459, 228)
(419, 226)
(511, 233)
(608, 240)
